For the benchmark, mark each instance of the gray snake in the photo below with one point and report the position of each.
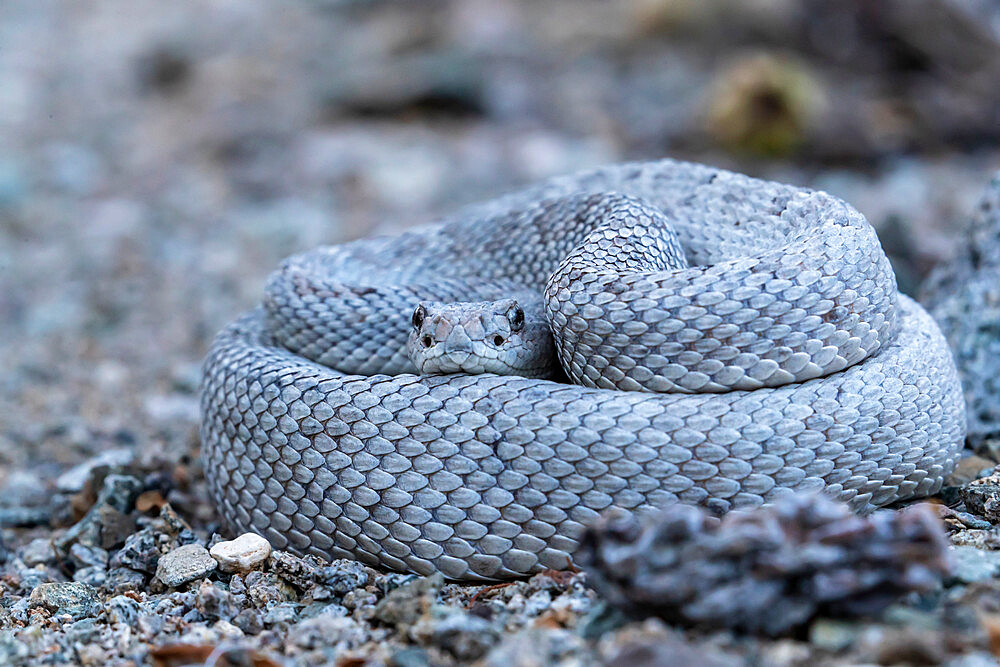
(781, 359)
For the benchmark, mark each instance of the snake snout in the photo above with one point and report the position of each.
(458, 342)
(439, 342)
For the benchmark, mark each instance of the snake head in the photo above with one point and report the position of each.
(502, 337)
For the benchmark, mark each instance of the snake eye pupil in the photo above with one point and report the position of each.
(426, 340)
(418, 317)
(498, 340)
(516, 317)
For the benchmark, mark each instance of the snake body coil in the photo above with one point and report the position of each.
(781, 359)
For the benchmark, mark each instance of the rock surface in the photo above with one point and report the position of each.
(184, 564)
(766, 571)
(964, 298)
(243, 554)
(76, 600)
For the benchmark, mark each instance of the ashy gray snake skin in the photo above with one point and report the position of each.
(781, 359)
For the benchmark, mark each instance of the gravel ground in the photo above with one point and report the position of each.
(157, 161)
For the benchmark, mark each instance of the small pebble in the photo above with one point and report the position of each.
(214, 602)
(245, 553)
(38, 552)
(267, 588)
(972, 564)
(404, 605)
(74, 479)
(283, 612)
(75, 599)
(982, 497)
(94, 575)
(327, 630)
(464, 635)
(140, 552)
(123, 609)
(184, 564)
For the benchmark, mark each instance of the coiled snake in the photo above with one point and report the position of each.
(781, 359)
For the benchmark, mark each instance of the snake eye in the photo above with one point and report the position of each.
(498, 340)
(426, 340)
(516, 318)
(418, 317)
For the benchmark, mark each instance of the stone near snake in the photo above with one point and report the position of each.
(963, 296)
(726, 341)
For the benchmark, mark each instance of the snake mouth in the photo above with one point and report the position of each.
(434, 361)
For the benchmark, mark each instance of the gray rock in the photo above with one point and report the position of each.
(24, 488)
(77, 600)
(977, 659)
(319, 608)
(141, 552)
(150, 625)
(339, 577)
(538, 647)
(38, 552)
(122, 579)
(342, 576)
(767, 570)
(122, 609)
(266, 589)
(833, 635)
(300, 572)
(414, 657)
(464, 635)
(83, 555)
(963, 519)
(12, 651)
(537, 603)
(362, 601)
(972, 564)
(31, 578)
(326, 630)
(74, 168)
(404, 605)
(24, 517)
(95, 576)
(237, 586)
(982, 497)
(964, 297)
(393, 580)
(84, 631)
(109, 521)
(183, 564)
(250, 621)
(601, 619)
(213, 602)
(74, 479)
(282, 613)
(669, 652)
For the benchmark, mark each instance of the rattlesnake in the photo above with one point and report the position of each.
(782, 359)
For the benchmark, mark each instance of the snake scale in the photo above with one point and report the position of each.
(771, 354)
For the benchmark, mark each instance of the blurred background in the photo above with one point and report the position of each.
(158, 159)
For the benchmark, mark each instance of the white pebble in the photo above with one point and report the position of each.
(242, 554)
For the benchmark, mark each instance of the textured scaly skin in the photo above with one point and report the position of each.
(506, 337)
(782, 359)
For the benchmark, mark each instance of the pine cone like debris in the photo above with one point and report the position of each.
(767, 571)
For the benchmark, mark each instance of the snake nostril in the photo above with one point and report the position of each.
(498, 340)
(426, 340)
